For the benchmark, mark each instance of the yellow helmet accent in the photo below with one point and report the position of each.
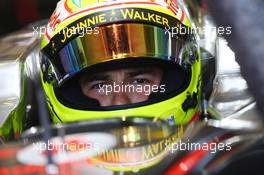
(65, 56)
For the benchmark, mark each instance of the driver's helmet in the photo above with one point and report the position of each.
(86, 37)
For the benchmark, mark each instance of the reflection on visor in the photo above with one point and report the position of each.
(147, 146)
(116, 41)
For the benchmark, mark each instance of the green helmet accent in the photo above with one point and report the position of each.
(146, 31)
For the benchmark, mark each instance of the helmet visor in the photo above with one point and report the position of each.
(117, 41)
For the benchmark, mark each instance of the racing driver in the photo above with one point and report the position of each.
(109, 59)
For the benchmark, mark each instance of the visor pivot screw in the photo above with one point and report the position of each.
(43, 67)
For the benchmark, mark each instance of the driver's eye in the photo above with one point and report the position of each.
(98, 86)
(141, 81)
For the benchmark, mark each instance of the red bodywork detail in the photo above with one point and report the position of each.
(185, 165)
(26, 11)
(7, 153)
(195, 117)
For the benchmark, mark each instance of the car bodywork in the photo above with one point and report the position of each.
(229, 109)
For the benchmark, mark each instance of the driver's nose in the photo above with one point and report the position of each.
(120, 98)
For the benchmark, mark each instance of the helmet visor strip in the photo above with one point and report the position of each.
(115, 42)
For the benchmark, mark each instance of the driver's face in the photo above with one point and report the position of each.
(100, 86)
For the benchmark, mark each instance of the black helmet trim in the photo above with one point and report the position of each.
(175, 78)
